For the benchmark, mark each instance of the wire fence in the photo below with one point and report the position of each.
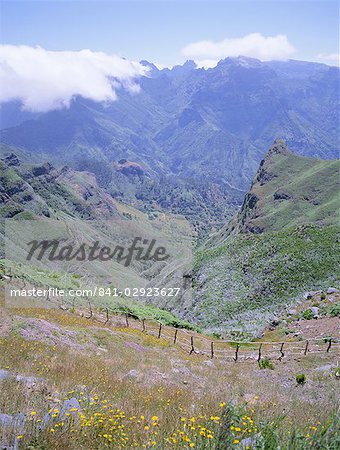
(194, 343)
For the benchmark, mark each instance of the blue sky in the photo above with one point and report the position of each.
(159, 30)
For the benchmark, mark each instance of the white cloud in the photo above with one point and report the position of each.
(253, 45)
(43, 80)
(332, 59)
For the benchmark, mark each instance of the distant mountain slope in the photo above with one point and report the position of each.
(99, 185)
(40, 202)
(283, 241)
(27, 191)
(209, 125)
(288, 190)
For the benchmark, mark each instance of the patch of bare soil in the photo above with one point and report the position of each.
(322, 327)
(52, 334)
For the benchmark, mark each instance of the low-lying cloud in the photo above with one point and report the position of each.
(44, 80)
(254, 45)
(332, 59)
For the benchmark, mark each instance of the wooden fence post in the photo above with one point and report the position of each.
(306, 348)
(212, 349)
(175, 337)
(281, 351)
(236, 352)
(329, 345)
(91, 312)
(192, 345)
(259, 356)
(143, 323)
(107, 316)
(159, 330)
(127, 320)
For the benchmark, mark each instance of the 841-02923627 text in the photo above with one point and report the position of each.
(98, 291)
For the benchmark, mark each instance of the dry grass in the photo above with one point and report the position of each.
(184, 393)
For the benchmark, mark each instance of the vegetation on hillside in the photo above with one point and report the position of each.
(243, 282)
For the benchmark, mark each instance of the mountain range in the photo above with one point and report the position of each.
(201, 131)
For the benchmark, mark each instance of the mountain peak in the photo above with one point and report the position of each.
(152, 67)
(243, 61)
(279, 147)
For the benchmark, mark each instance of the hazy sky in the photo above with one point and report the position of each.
(161, 31)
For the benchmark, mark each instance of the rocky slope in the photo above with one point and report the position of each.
(32, 190)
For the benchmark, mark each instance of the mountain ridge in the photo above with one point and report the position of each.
(273, 204)
(234, 110)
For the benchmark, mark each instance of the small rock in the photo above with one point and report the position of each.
(331, 290)
(185, 382)
(20, 420)
(325, 368)
(292, 312)
(69, 404)
(6, 420)
(4, 374)
(16, 421)
(208, 363)
(247, 442)
(28, 381)
(315, 310)
(133, 373)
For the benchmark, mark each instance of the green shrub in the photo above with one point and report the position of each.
(308, 314)
(300, 378)
(266, 363)
(216, 335)
(334, 310)
(323, 296)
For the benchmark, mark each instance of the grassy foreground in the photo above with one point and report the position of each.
(130, 390)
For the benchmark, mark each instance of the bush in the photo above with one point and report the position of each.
(300, 378)
(334, 310)
(216, 335)
(266, 363)
(308, 314)
(323, 296)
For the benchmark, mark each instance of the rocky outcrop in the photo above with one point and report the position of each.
(129, 168)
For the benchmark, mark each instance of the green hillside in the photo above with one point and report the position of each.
(243, 283)
(288, 190)
(283, 241)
